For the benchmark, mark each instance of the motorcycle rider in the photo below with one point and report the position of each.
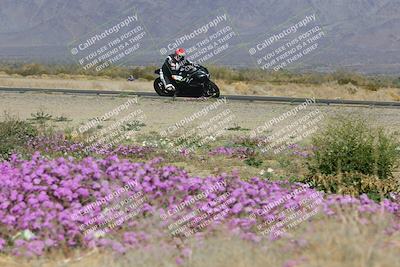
(171, 67)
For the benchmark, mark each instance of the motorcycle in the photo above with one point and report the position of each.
(191, 80)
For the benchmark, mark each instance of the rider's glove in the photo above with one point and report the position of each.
(178, 78)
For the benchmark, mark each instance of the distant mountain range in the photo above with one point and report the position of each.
(362, 35)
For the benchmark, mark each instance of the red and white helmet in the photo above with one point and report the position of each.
(180, 53)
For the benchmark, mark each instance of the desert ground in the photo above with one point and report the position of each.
(345, 230)
(162, 113)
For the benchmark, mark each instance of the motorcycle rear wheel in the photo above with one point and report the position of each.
(159, 88)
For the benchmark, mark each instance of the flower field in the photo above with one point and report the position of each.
(127, 199)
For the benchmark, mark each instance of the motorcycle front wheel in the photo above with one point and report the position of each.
(211, 90)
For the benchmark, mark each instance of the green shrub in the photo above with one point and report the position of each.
(13, 135)
(349, 154)
(254, 162)
(396, 83)
(245, 141)
(387, 153)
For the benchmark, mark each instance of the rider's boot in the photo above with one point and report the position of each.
(176, 93)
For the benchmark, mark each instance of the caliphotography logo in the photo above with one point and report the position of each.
(112, 43)
(206, 40)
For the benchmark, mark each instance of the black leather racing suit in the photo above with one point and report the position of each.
(171, 67)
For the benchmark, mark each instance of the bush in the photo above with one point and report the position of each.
(254, 162)
(351, 157)
(372, 87)
(32, 69)
(343, 81)
(14, 134)
(356, 184)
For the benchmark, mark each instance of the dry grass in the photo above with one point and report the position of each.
(327, 90)
(73, 82)
(344, 242)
